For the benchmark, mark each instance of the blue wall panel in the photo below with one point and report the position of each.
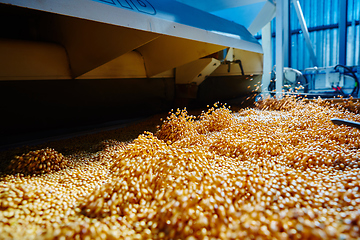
(353, 40)
(322, 19)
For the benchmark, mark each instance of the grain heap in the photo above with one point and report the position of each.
(279, 171)
(37, 162)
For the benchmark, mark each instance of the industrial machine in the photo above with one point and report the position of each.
(325, 82)
(332, 81)
(66, 64)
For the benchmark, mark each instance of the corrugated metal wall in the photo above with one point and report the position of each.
(322, 19)
(325, 41)
(353, 40)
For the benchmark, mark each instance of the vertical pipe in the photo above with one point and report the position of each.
(287, 33)
(304, 28)
(279, 47)
(342, 31)
(267, 68)
(354, 31)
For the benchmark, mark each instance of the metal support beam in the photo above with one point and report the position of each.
(279, 47)
(304, 28)
(342, 31)
(287, 36)
(267, 67)
(265, 15)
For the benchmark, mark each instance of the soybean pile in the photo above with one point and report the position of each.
(280, 170)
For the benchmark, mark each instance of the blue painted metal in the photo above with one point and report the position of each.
(183, 14)
(353, 40)
(166, 17)
(279, 47)
(287, 32)
(216, 5)
(322, 18)
(252, 14)
(305, 31)
(239, 14)
(343, 31)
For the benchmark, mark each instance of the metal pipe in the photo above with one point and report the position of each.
(304, 28)
(267, 68)
(346, 123)
(279, 47)
(342, 31)
(287, 37)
